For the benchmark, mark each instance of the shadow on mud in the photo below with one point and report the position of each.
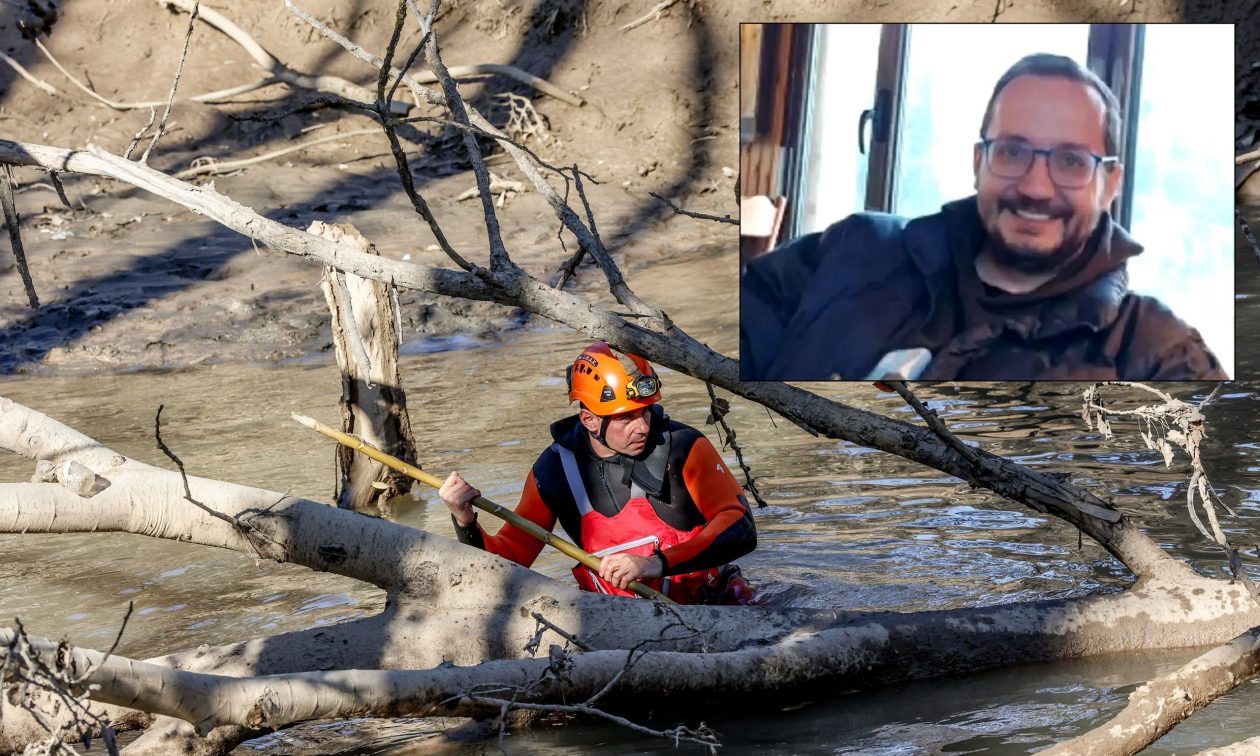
(555, 28)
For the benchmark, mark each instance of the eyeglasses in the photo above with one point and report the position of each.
(1070, 167)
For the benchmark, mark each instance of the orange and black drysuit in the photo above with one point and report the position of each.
(676, 499)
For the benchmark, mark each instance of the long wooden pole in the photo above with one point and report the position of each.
(480, 502)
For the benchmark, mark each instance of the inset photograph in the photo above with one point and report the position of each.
(986, 202)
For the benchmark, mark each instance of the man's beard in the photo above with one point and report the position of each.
(1028, 259)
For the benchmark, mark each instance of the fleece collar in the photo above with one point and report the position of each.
(1087, 293)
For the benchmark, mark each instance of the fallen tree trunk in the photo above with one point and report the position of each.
(1247, 747)
(1161, 704)
(866, 651)
(841, 658)
(449, 603)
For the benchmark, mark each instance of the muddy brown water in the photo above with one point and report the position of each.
(847, 527)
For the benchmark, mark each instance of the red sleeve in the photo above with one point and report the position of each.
(719, 497)
(513, 543)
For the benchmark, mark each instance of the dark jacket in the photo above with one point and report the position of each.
(829, 305)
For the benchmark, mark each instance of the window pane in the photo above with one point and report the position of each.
(950, 73)
(1183, 179)
(834, 184)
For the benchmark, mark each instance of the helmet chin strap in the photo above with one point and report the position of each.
(603, 428)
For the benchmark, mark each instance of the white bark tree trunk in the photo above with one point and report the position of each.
(365, 332)
(1161, 704)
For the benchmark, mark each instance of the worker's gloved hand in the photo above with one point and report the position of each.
(620, 569)
(457, 495)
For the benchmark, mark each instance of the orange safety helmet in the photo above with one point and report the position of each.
(600, 382)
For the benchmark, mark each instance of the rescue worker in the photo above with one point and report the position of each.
(651, 497)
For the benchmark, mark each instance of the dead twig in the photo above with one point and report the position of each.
(1174, 424)
(179, 70)
(690, 214)
(525, 77)
(523, 120)
(28, 679)
(395, 146)
(202, 166)
(272, 65)
(12, 221)
(40, 83)
(61, 190)
(718, 408)
(544, 625)
(558, 204)
(559, 663)
(208, 97)
(488, 135)
(244, 528)
(652, 15)
(135, 140)
(497, 184)
(595, 248)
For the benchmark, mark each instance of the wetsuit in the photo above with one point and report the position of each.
(677, 498)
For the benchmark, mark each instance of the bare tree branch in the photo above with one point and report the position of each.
(273, 66)
(40, 83)
(525, 77)
(558, 204)
(208, 97)
(499, 259)
(179, 70)
(135, 140)
(204, 166)
(48, 682)
(244, 528)
(11, 221)
(717, 415)
(933, 421)
(701, 216)
(652, 15)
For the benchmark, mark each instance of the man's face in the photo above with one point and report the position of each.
(627, 433)
(1044, 112)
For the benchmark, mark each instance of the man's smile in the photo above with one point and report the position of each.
(1026, 221)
